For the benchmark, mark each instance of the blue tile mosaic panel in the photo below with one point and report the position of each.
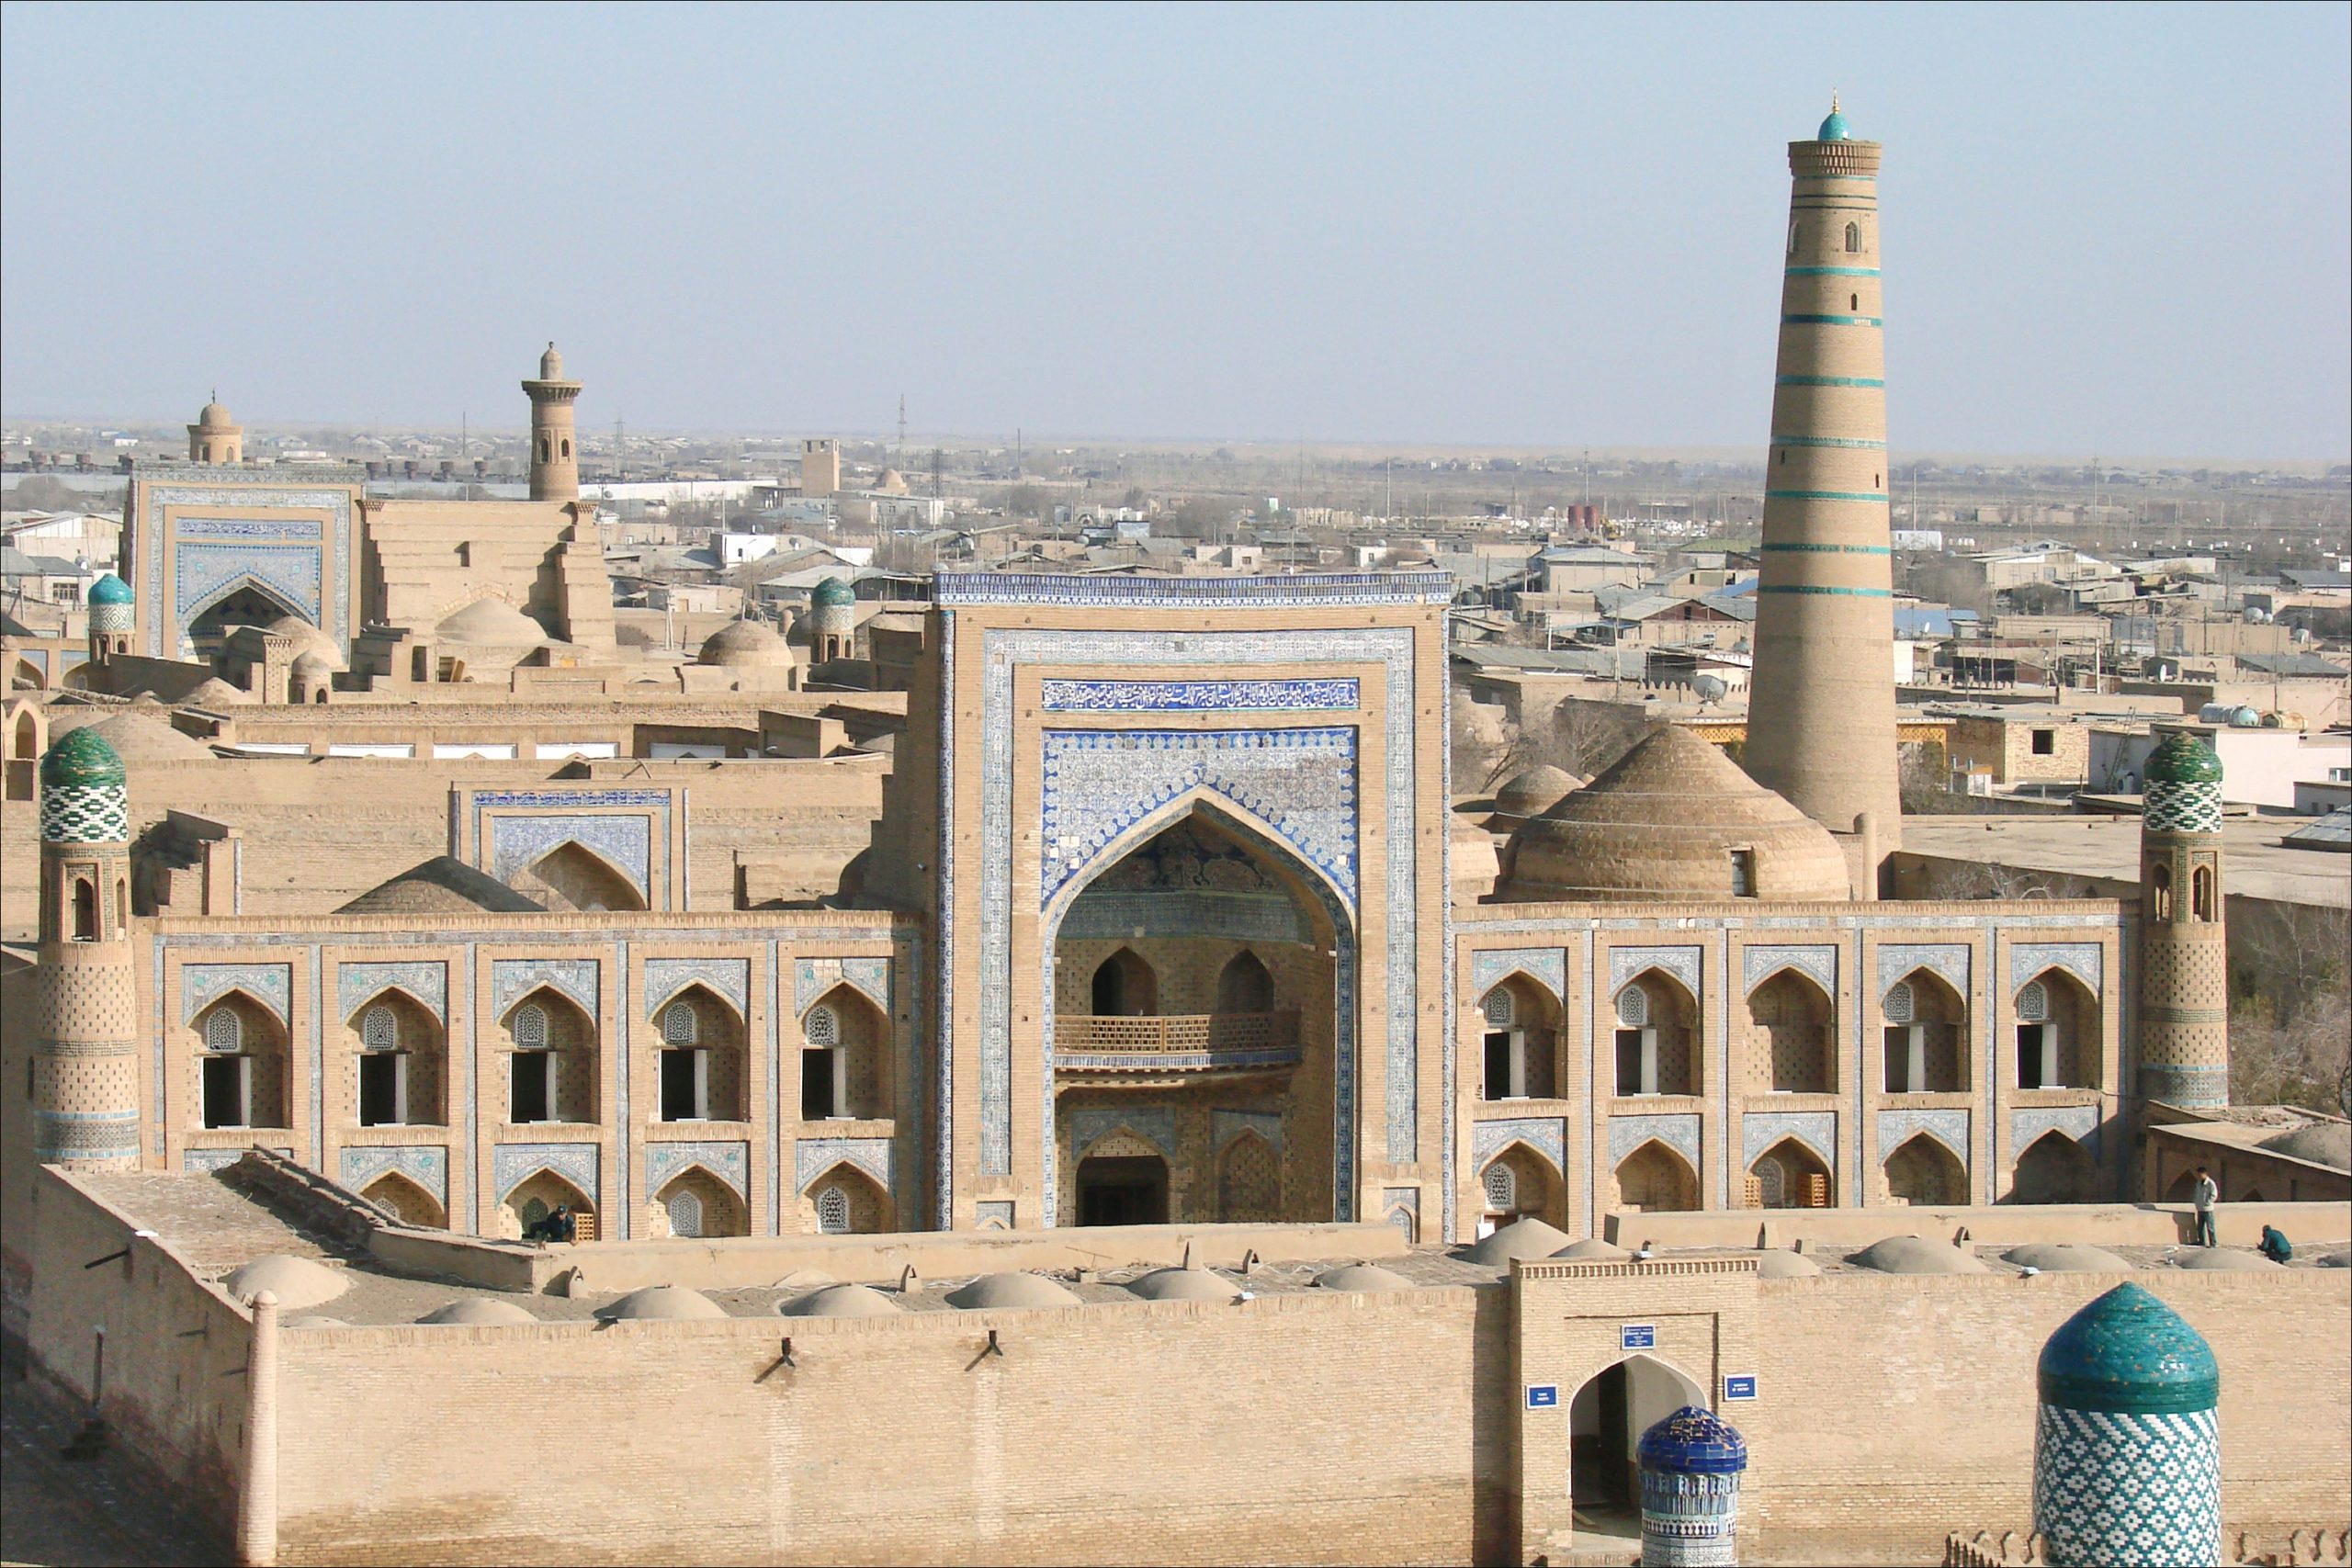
(1338, 692)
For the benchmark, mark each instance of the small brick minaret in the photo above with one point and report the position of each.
(86, 1069)
(555, 459)
(2184, 937)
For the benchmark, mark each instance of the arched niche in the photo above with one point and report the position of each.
(845, 1057)
(242, 1068)
(700, 1062)
(2054, 1169)
(1606, 1416)
(1519, 1031)
(398, 1063)
(536, 1197)
(553, 1060)
(1654, 1022)
(1791, 1174)
(1925, 1037)
(1788, 1035)
(845, 1200)
(695, 1203)
(573, 876)
(1124, 986)
(1520, 1182)
(1654, 1179)
(1249, 1180)
(1923, 1171)
(406, 1202)
(2058, 1036)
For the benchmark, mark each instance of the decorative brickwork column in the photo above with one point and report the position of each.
(257, 1499)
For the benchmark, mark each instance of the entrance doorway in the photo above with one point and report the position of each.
(1125, 1190)
(1606, 1421)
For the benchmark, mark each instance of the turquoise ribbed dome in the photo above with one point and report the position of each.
(1834, 127)
(2182, 758)
(2128, 1353)
(80, 759)
(110, 590)
(832, 593)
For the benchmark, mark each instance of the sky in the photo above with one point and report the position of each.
(2111, 229)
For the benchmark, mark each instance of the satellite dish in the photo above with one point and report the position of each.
(1710, 688)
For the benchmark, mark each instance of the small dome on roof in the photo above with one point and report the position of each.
(2216, 1260)
(2321, 1142)
(492, 623)
(676, 1303)
(2066, 1258)
(442, 885)
(309, 638)
(1780, 1263)
(1834, 127)
(831, 593)
(212, 416)
(2182, 758)
(295, 1282)
(1534, 792)
(842, 1300)
(1592, 1249)
(1911, 1254)
(477, 1310)
(213, 693)
(1693, 1441)
(309, 662)
(142, 734)
(1009, 1290)
(1362, 1276)
(2127, 1353)
(110, 589)
(740, 643)
(1661, 824)
(1184, 1285)
(81, 758)
(1521, 1238)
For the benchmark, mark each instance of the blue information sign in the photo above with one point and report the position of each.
(1739, 1385)
(1542, 1395)
(1636, 1337)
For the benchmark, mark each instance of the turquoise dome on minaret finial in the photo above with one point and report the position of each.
(1834, 127)
(110, 589)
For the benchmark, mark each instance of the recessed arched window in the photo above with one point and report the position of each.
(1502, 1188)
(2160, 892)
(567, 447)
(1853, 237)
(1792, 239)
(1877, 480)
(678, 1024)
(224, 1030)
(544, 449)
(685, 1214)
(832, 1212)
(2033, 1002)
(531, 1027)
(2200, 892)
(1245, 985)
(380, 1029)
(1633, 1008)
(824, 1026)
(85, 910)
(1785, 457)
(1853, 303)
(1498, 1007)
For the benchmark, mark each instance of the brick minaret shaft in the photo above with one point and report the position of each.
(2184, 1036)
(85, 1085)
(555, 458)
(1821, 716)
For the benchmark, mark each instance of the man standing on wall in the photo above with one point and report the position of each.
(2206, 1195)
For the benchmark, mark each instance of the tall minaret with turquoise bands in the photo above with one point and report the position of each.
(1821, 710)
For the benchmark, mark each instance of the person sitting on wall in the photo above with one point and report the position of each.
(557, 1227)
(2275, 1244)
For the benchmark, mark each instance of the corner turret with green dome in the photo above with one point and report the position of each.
(831, 593)
(2184, 966)
(84, 797)
(114, 614)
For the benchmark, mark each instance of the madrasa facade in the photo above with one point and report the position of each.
(1171, 915)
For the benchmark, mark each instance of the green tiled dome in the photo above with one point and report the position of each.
(80, 759)
(2128, 1353)
(831, 593)
(2182, 758)
(110, 590)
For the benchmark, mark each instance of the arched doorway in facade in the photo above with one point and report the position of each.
(1193, 976)
(573, 876)
(2055, 1169)
(405, 1202)
(1606, 1420)
(1923, 1171)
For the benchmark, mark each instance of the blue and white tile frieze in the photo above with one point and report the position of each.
(2079, 1123)
(1338, 693)
(1295, 592)
(201, 1160)
(512, 978)
(2081, 959)
(271, 984)
(623, 842)
(1225, 1126)
(1757, 964)
(811, 1158)
(993, 1213)
(427, 1165)
(1949, 961)
(1153, 1124)
(153, 541)
(511, 1165)
(1816, 1130)
(1677, 1131)
(812, 977)
(1097, 784)
(425, 981)
(1950, 1128)
(1682, 962)
(730, 1162)
(1547, 1136)
(1547, 965)
(727, 977)
(247, 528)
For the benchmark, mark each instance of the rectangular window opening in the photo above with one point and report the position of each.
(1743, 873)
(2045, 742)
(531, 1086)
(679, 1078)
(224, 1091)
(817, 1102)
(383, 1085)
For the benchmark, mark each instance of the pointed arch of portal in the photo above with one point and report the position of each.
(1305, 880)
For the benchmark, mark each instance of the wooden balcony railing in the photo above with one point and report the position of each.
(1223, 1040)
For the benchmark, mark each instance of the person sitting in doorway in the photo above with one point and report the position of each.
(558, 1225)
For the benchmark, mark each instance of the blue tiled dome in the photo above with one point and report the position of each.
(2128, 1353)
(110, 590)
(832, 593)
(1834, 127)
(1694, 1442)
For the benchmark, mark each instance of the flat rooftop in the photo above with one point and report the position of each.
(2108, 847)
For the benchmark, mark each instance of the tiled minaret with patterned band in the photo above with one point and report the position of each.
(1821, 712)
(1691, 1464)
(114, 616)
(2184, 1033)
(84, 1070)
(2127, 1451)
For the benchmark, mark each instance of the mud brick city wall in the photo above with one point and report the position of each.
(1301, 1428)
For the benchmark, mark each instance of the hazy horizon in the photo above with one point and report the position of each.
(2111, 230)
